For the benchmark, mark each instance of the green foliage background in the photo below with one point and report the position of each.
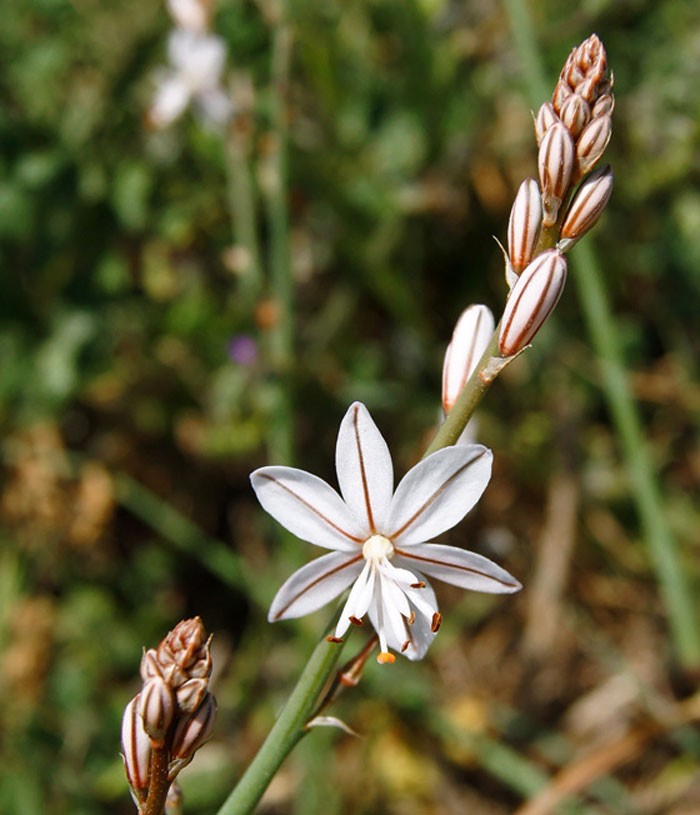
(128, 431)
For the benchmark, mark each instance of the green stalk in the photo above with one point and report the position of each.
(241, 195)
(286, 732)
(656, 531)
(488, 368)
(663, 548)
(303, 702)
(281, 288)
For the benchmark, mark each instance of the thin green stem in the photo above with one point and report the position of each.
(286, 732)
(472, 393)
(242, 203)
(656, 531)
(281, 287)
(645, 490)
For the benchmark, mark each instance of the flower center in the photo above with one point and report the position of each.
(377, 548)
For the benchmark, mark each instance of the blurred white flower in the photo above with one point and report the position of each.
(192, 15)
(194, 77)
(378, 535)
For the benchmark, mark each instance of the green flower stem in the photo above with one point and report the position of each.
(490, 365)
(286, 732)
(663, 549)
(281, 287)
(242, 203)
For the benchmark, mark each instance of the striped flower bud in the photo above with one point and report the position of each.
(561, 93)
(587, 206)
(575, 114)
(524, 225)
(184, 653)
(191, 693)
(157, 709)
(149, 665)
(604, 106)
(585, 73)
(190, 734)
(136, 750)
(531, 301)
(469, 340)
(556, 165)
(592, 143)
(545, 118)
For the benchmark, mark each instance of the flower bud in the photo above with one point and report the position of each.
(157, 709)
(545, 118)
(469, 340)
(604, 106)
(556, 165)
(184, 653)
(575, 114)
(136, 750)
(190, 734)
(192, 15)
(524, 225)
(592, 143)
(191, 693)
(149, 665)
(531, 301)
(587, 206)
(561, 93)
(585, 72)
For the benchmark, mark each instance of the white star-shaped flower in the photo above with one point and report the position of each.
(196, 64)
(379, 536)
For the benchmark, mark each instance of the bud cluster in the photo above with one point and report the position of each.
(574, 129)
(173, 714)
(572, 133)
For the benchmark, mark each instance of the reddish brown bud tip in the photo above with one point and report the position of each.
(356, 621)
(585, 73)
